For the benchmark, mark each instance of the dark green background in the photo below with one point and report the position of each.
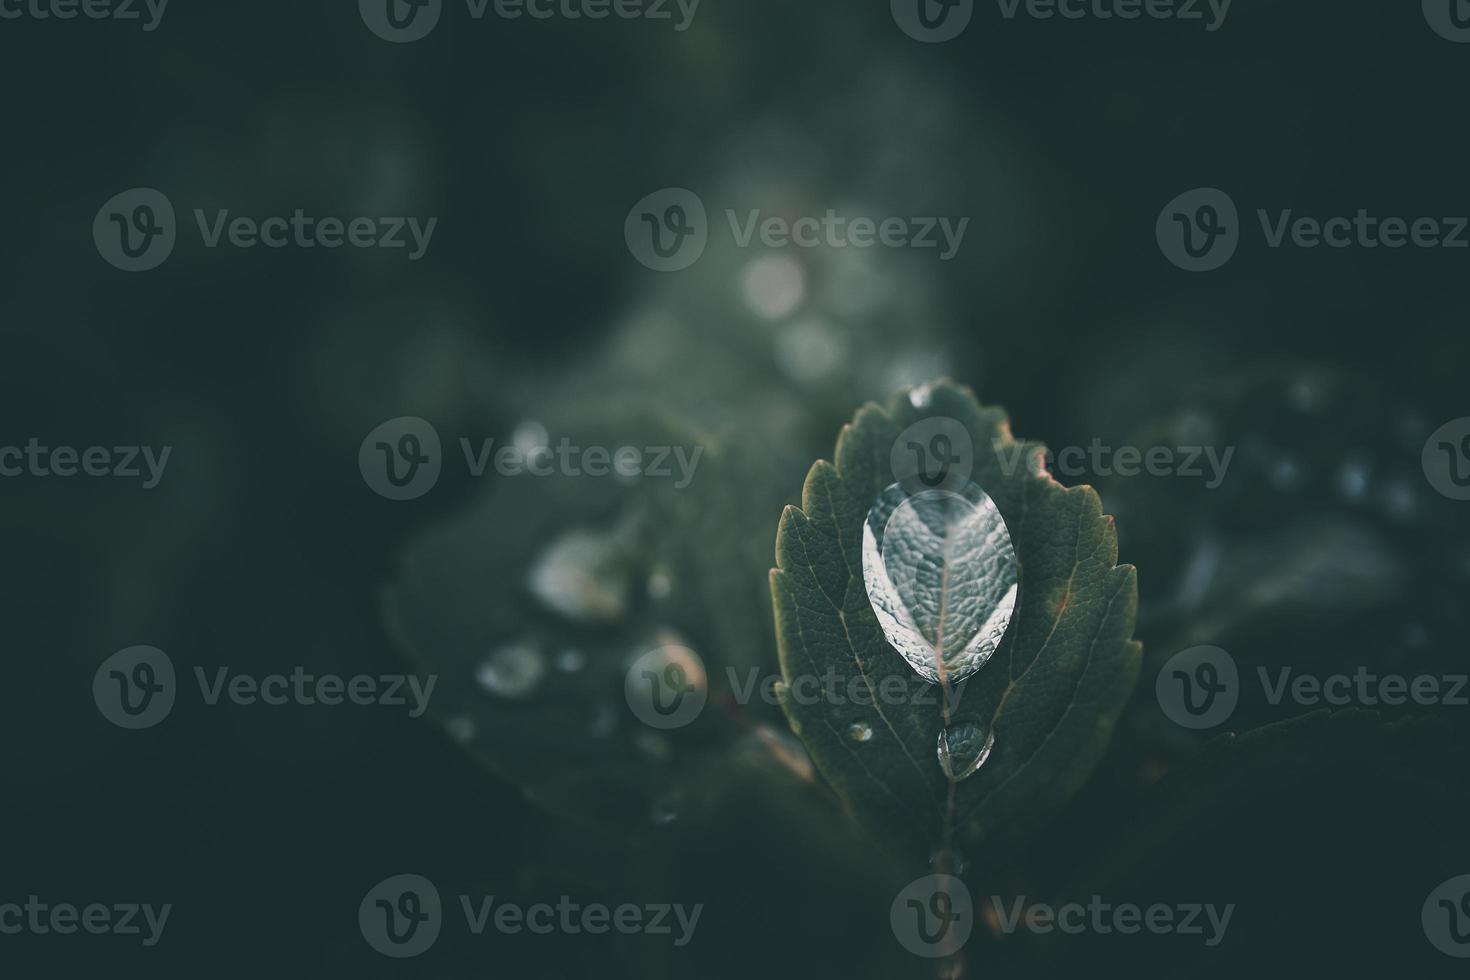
(263, 549)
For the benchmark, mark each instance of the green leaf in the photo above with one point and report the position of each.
(1050, 694)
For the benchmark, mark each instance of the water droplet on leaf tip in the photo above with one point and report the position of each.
(963, 749)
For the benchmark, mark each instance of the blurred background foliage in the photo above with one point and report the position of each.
(262, 549)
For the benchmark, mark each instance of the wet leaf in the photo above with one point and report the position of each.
(1049, 695)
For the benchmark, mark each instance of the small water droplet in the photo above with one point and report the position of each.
(660, 585)
(774, 286)
(1285, 474)
(461, 728)
(809, 351)
(665, 810)
(530, 437)
(654, 745)
(1399, 500)
(859, 731)
(951, 861)
(604, 721)
(921, 396)
(513, 671)
(571, 661)
(963, 749)
(584, 576)
(1353, 480)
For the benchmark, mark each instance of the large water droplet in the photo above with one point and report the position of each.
(860, 731)
(942, 575)
(584, 576)
(512, 671)
(963, 749)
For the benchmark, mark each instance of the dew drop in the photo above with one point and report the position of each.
(461, 728)
(583, 575)
(859, 731)
(773, 286)
(1285, 474)
(963, 749)
(604, 721)
(513, 671)
(530, 437)
(665, 810)
(660, 585)
(950, 861)
(1353, 480)
(809, 351)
